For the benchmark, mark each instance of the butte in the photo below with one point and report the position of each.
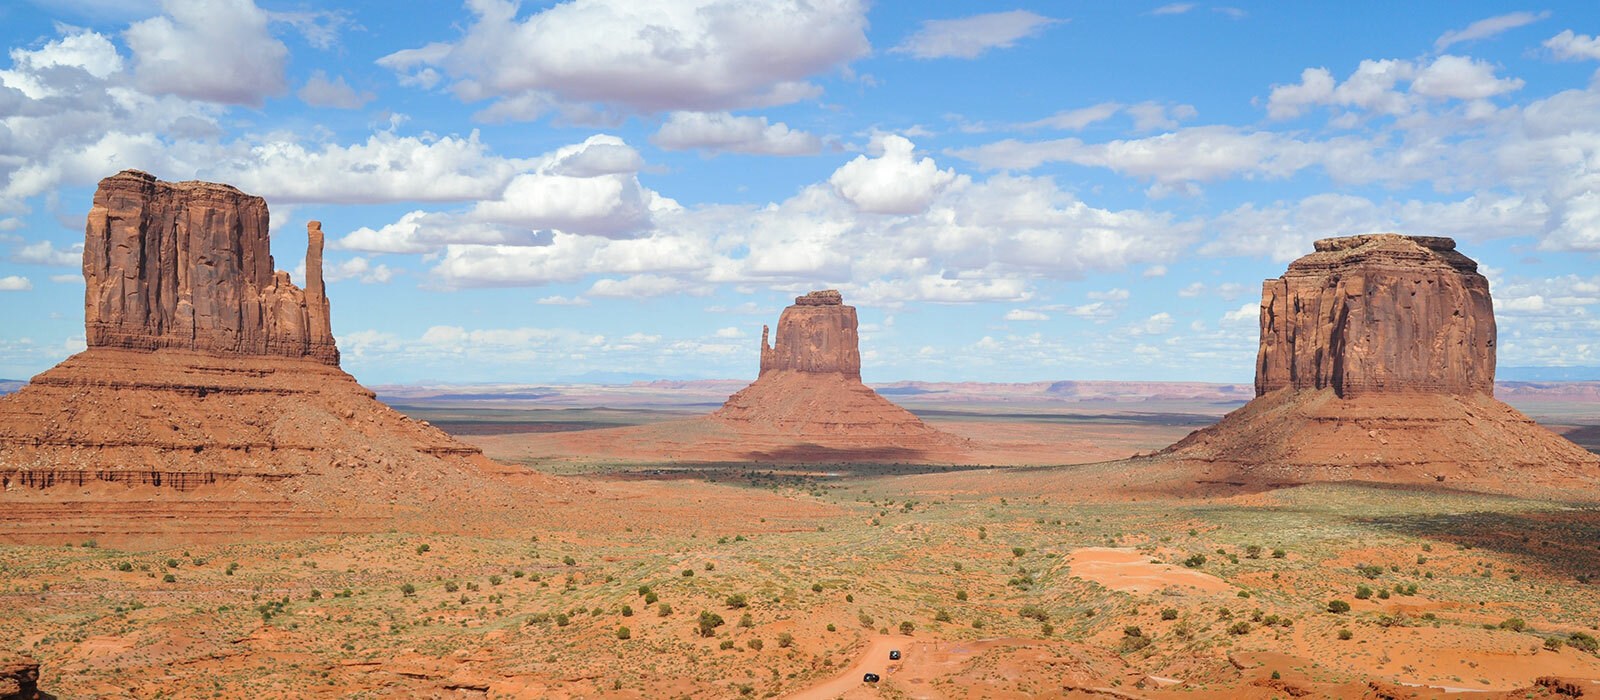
(210, 401)
(808, 404)
(1376, 364)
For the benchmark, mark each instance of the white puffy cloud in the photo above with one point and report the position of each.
(1189, 155)
(14, 283)
(386, 168)
(211, 50)
(1461, 78)
(723, 132)
(319, 91)
(360, 269)
(1375, 86)
(1076, 119)
(45, 253)
(1485, 28)
(1248, 312)
(642, 286)
(1156, 324)
(701, 55)
(1568, 46)
(589, 188)
(893, 183)
(970, 37)
(1026, 315)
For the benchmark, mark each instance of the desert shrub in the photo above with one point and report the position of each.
(1047, 629)
(1515, 624)
(746, 621)
(1279, 554)
(1169, 614)
(1195, 561)
(495, 580)
(1383, 594)
(1253, 551)
(651, 598)
(569, 561)
(406, 589)
(941, 615)
(1132, 631)
(816, 588)
(1363, 593)
(1346, 634)
(754, 645)
(1018, 551)
(451, 586)
(172, 563)
(726, 644)
(562, 620)
(627, 611)
(125, 566)
(1132, 644)
(1554, 643)
(1579, 640)
(785, 640)
(907, 628)
(831, 628)
(624, 633)
(1240, 627)
(644, 590)
(737, 601)
(709, 622)
(1338, 606)
(664, 610)
(961, 596)
(169, 578)
(1033, 612)
(423, 548)
(688, 573)
(711, 566)
(866, 620)
(1370, 570)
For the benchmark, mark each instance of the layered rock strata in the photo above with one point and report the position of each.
(1377, 363)
(186, 265)
(809, 389)
(19, 677)
(1381, 313)
(215, 380)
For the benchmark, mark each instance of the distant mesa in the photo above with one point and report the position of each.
(1377, 363)
(809, 390)
(208, 370)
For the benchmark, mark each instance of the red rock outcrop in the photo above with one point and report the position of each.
(817, 335)
(186, 265)
(19, 677)
(210, 401)
(1377, 364)
(1381, 313)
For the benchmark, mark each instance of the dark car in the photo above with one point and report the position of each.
(894, 654)
(870, 678)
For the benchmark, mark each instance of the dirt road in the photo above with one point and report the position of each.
(875, 659)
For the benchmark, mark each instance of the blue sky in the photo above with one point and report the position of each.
(1007, 192)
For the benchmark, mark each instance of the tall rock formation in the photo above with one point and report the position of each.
(817, 334)
(1377, 363)
(186, 265)
(809, 403)
(1380, 313)
(208, 372)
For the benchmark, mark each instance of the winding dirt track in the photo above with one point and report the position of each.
(875, 659)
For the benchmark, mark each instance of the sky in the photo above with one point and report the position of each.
(609, 190)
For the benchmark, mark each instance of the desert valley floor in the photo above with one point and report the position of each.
(663, 578)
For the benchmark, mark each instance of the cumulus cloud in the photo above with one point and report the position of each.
(697, 55)
(360, 269)
(45, 253)
(1375, 86)
(893, 183)
(319, 91)
(1485, 28)
(970, 37)
(14, 283)
(1026, 315)
(1195, 154)
(1568, 46)
(217, 51)
(722, 132)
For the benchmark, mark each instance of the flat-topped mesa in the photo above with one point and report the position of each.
(817, 335)
(1378, 313)
(188, 265)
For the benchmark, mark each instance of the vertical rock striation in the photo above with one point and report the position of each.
(187, 265)
(818, 335)
(1377, 363)
(1380, 313)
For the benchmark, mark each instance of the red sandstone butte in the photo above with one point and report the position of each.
(186, 265)
(210, 401)
(1377, 364)
(817, 334)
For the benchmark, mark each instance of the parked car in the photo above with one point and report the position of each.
(870, 678)
(894, 654)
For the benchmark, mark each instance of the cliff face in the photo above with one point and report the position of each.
(1380, 313)
(818, 335)
(187, 265)
(1377, 364)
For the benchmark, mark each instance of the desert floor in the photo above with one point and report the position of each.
(991, 582)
